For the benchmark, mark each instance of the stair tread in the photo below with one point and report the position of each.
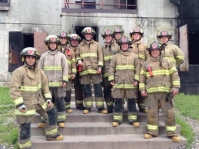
(105, 138)
(101, 124)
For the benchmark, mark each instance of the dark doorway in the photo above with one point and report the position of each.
(193, 48)
(28, 40)
(18, 41)
(79, 29)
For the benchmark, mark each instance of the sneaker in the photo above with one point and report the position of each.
(148, 136)
(57, 138)
(61, 125)
(69, 111)
(41, 125)
(115, 124)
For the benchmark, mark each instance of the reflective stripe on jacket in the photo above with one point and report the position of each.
(55, 66)
(29, 86)
(163, 77)
(91, 55)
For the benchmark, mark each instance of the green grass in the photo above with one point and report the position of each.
(8, 126)
(187, 105)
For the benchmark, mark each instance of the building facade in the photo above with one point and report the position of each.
(26, 23)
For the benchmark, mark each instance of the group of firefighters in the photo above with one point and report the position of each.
(124, 70)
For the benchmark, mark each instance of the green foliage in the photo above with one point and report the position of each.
(8, 126)
(187, 105)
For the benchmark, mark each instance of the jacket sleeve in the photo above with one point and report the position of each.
(15, 85)
(175, 79)
(73, 63)
(137, 69)
(41, 63)
(179, 56)
(112, 67)
(77, 54)
(44, 86)
(64, 68)
(100, 56)
(142, 83)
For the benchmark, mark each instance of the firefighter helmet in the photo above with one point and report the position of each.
(88, 30)
(124, 39)
(51, 38)
(29, 51)
(107, 32)
(136, 30)
(74, 37)
(118, 30)
(62, 34)
(164, 33)
(155, 45)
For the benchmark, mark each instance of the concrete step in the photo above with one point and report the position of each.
(94, 116)
(99, 128)
(127, 141)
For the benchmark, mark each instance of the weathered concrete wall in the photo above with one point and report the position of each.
(27, 16)
(152, 15)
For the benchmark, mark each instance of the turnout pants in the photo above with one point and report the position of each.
(24, 123)
(107, 93)
(86, 85)
(78, 92)
(119, 95)
(59, 93)
(152, 102)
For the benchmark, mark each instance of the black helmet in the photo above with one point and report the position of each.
(124, 39)
(29, 51)
(164, 33)
(62, 34)
(88, 30)
(155, 45)
(107, 32)
(136, 30)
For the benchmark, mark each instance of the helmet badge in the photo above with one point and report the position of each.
(137, 30)
(89, 30)
(108, 32)
(124, 39)
(31, 52)
(74, 37)
(154, 45)
(63, 34)
(117, 29)
(52, 39)
(164, 33)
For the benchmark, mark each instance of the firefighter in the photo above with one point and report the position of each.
(70, 56)
(55, 66)
(159, 82)
(74, 42)
(118, 33)
(139, 48)
(124, 77)
(170, 52)
(90, 58)
(30, 92)
(110, 48)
